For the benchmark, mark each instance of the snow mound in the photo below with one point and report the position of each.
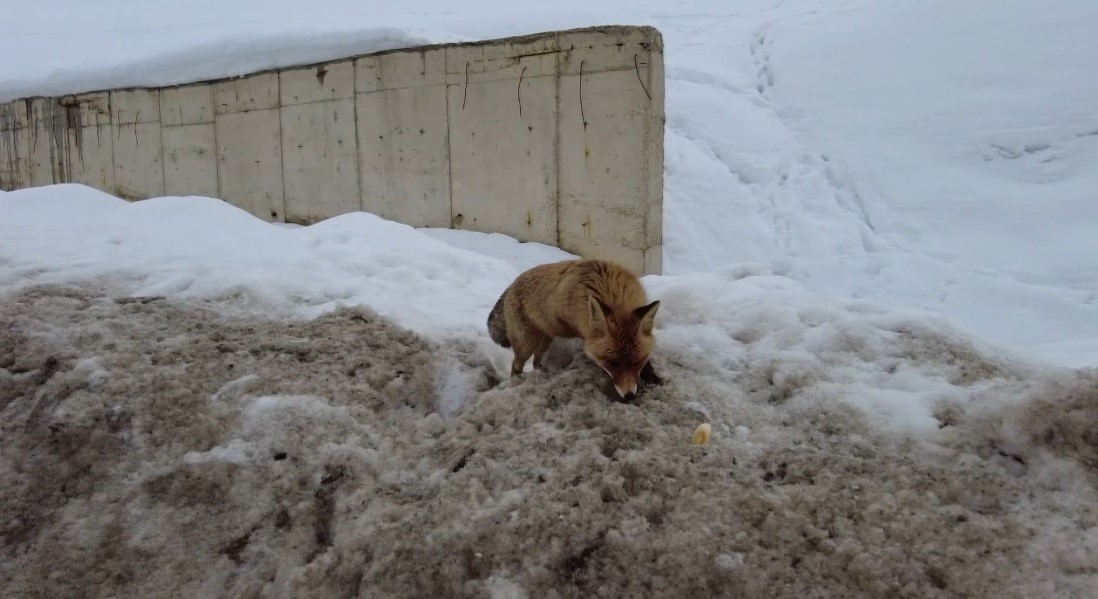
(195, 247)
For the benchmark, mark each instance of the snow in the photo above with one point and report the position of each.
(965, 132)
(945, 170)
(233, 386)
(454, 388)
(878, 238)
(519, 255)
(729, 561)
(204, 248)
(235, 452)
(96, 374)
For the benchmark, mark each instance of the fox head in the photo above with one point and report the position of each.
(620, 343)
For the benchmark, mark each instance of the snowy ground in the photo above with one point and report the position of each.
(879, 264)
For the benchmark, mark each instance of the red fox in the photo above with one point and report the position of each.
(599, 301)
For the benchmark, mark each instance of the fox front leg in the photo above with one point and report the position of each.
(648, 375)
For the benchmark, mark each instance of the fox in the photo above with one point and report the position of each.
(600, 301)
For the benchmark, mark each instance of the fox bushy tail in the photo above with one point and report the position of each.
(497, 325)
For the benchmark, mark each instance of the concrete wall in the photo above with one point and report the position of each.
(554, 137)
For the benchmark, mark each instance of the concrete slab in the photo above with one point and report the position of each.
(332, 81)
(603, 166)
(132, 106)
(653, 144)
(404, 155)
(249, 162)
(249, 144)
(503, 152)
(138, 170)
(187, 105)
(400, 70)
(319, 160)
(48, 141)
(89, 144)
(190, 160)
(14, 115)
(653, 260)
(91, 157)
(14, 167)
(609, 49)
(14, 146)
(496, 61)
(256, 92)
(135, 125)
(91, 110)
(611, 139)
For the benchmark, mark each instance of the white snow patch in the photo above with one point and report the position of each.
(520, 255)
(499, 587)
(97, 375)
(233, 386)
(729, 561)
(453, 387)
(235, 452)
(300, 407)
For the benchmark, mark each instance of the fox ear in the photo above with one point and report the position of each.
(598, 315)
(646, 315)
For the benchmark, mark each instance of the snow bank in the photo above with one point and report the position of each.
(197, 247)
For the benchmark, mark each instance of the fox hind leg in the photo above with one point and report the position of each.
(530, 343)
(523, 347)
(525, 338)
(539, 351)
(518, 363)
(522, 351)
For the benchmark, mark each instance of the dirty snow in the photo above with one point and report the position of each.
(327, 479)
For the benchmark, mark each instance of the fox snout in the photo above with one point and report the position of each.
(625, 385)
(627, 394)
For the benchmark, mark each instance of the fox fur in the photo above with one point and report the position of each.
(597, 300)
